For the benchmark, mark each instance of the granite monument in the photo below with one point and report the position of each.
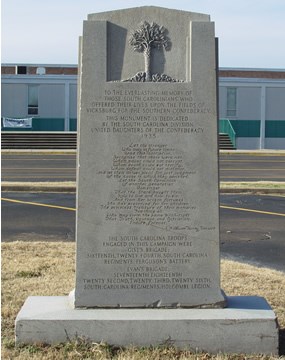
(148, 202)
(147, 227)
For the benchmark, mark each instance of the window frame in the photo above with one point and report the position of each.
(231, 109)
(33, 99)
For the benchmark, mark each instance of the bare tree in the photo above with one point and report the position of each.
(147, 37)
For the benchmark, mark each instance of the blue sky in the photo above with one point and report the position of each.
(251, 32)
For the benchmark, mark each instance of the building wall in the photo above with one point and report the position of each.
(275, 103)
(259, 121)
(57, 98)
(252, 73)
(275, 143)
(73, 101)
(14, 100)
(248, 103)
(249, 143)
(51, 100)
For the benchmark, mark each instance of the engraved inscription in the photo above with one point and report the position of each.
(148, 173)
(147, 180)
(150, 263)
(149, 113)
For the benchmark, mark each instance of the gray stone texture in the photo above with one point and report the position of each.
(147, 201)
(122, 60)
(248, 325)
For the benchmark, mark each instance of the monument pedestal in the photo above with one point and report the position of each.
(247, 325)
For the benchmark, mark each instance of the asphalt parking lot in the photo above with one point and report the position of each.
(248, 167)
(61, 167)
(252, 227)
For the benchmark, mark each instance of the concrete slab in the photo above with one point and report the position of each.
(247, 325)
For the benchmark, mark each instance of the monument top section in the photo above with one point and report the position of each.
(175, 28)
(154, 11)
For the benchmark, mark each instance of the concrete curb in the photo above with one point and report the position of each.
(38, 152)
(253, 152)
(69, 188)
(257, 191)
(73, 152)
(38, 188)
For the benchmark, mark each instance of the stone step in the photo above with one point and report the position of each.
(225, 142)
(36, 140)
(63, 140)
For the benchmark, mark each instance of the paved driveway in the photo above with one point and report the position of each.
(252, 227)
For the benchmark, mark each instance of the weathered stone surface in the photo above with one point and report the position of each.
(248, 325)
(148, 211)
(122, 62)
(147, 200)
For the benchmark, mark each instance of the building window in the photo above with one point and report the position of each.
(21, 70)
(231, 101)
(33, 99)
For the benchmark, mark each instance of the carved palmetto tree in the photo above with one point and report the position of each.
(147, 37)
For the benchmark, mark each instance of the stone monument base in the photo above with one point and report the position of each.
(247, 325)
